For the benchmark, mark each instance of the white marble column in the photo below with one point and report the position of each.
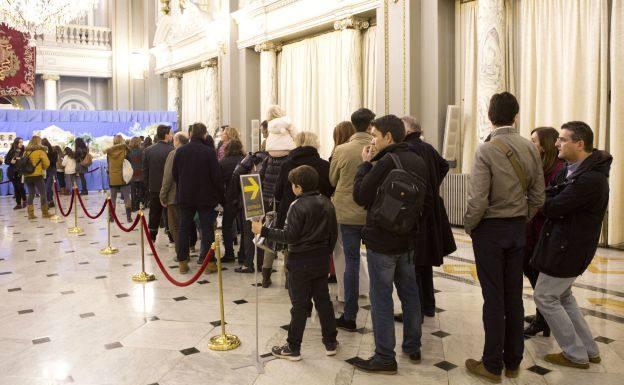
(174, 94)
(50, 91)
(491, 50)
(213, 99)
(268, 75)
(351, 36)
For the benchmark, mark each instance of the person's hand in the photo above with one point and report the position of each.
(256, 227)
(367, 153)
(163, 204)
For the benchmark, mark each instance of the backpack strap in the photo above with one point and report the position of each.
(513, 159)
(397, 161)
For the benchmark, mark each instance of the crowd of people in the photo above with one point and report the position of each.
(534, 207)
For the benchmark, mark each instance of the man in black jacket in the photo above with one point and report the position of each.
(575, 206)
(438, 241)
(310, 232)
(200, 189)
(390, 255)
(154, 159)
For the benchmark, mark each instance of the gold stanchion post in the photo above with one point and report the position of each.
(224, 341)
(109, 249)
(143, 276)
(75, 229)
(54, 217)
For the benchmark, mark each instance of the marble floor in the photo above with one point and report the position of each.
(71, 315)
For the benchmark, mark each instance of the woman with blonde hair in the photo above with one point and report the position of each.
(227, 135)
(36, 153)
(115, 156)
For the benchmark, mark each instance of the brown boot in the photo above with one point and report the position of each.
(44, 212)
(561, 360)
(477, 368)
(211, 268)
(595, 360)
(266, 277)
(31, 212)
(512, 373)
(184, 267)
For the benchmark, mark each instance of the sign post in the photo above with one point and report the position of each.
(251, 190)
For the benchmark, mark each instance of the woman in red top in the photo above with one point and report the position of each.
(544, 139)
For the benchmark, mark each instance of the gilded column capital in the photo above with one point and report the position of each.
(351, 22)
(210, 63)
(268, 46)
(54, 77)
(172, 75)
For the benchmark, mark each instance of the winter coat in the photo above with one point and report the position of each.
(115, 156)
(574, 209)
(368, 179)
(39, 158)
(534, 228)
(154, 158)
(79, 156)
(135, 156)
(168, 188)
(69, 165)
(436, 240)
(310, 231)
(197, 174)
(344, 164)
(227, 165)
(11, 156)
(281, 134)
(283, 191)
(269, 176)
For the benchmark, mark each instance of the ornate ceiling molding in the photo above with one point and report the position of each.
(268, 46)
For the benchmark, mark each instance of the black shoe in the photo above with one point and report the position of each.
(200, 260)
(17, 207)
(284, 352)
(51, 204)
(345, 324)
(375, 366)
(429, 313)
(529, 319)
(228, 259)
(332, 279)
(244, 269)
(398, 318)
(415, 357)
(331, 349)
(537, 326)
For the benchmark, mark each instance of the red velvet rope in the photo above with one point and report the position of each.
(94, 170)
(84, 208)
(58, 201)
(194, 278)
(122, 227)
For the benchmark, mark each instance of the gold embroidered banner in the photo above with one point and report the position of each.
(17, 63)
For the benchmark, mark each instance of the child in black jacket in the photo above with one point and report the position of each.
(310, 232)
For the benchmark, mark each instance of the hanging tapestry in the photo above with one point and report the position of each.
(17, 63)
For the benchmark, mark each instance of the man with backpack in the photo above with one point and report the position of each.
(391, 185)
(506, 190)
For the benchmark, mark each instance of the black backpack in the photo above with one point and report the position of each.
(24, 166)
(400, 200)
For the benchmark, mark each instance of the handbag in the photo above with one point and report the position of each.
(87, 160)
(127, 171)
(271, 223)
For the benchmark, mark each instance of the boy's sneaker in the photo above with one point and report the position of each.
(285, 353)
(331, 349)
(345, 324)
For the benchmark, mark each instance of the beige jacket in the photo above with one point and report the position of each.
(342, 169)
(495, 190)
(168, 188)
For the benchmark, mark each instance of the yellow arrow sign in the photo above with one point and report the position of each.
(252, 187)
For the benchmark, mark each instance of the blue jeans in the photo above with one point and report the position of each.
(207, 218)
(385, 270)
(351, 240)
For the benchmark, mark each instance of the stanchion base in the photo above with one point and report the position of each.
(224, 342)
(108, 250)
(75, 230)
(143, 277)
